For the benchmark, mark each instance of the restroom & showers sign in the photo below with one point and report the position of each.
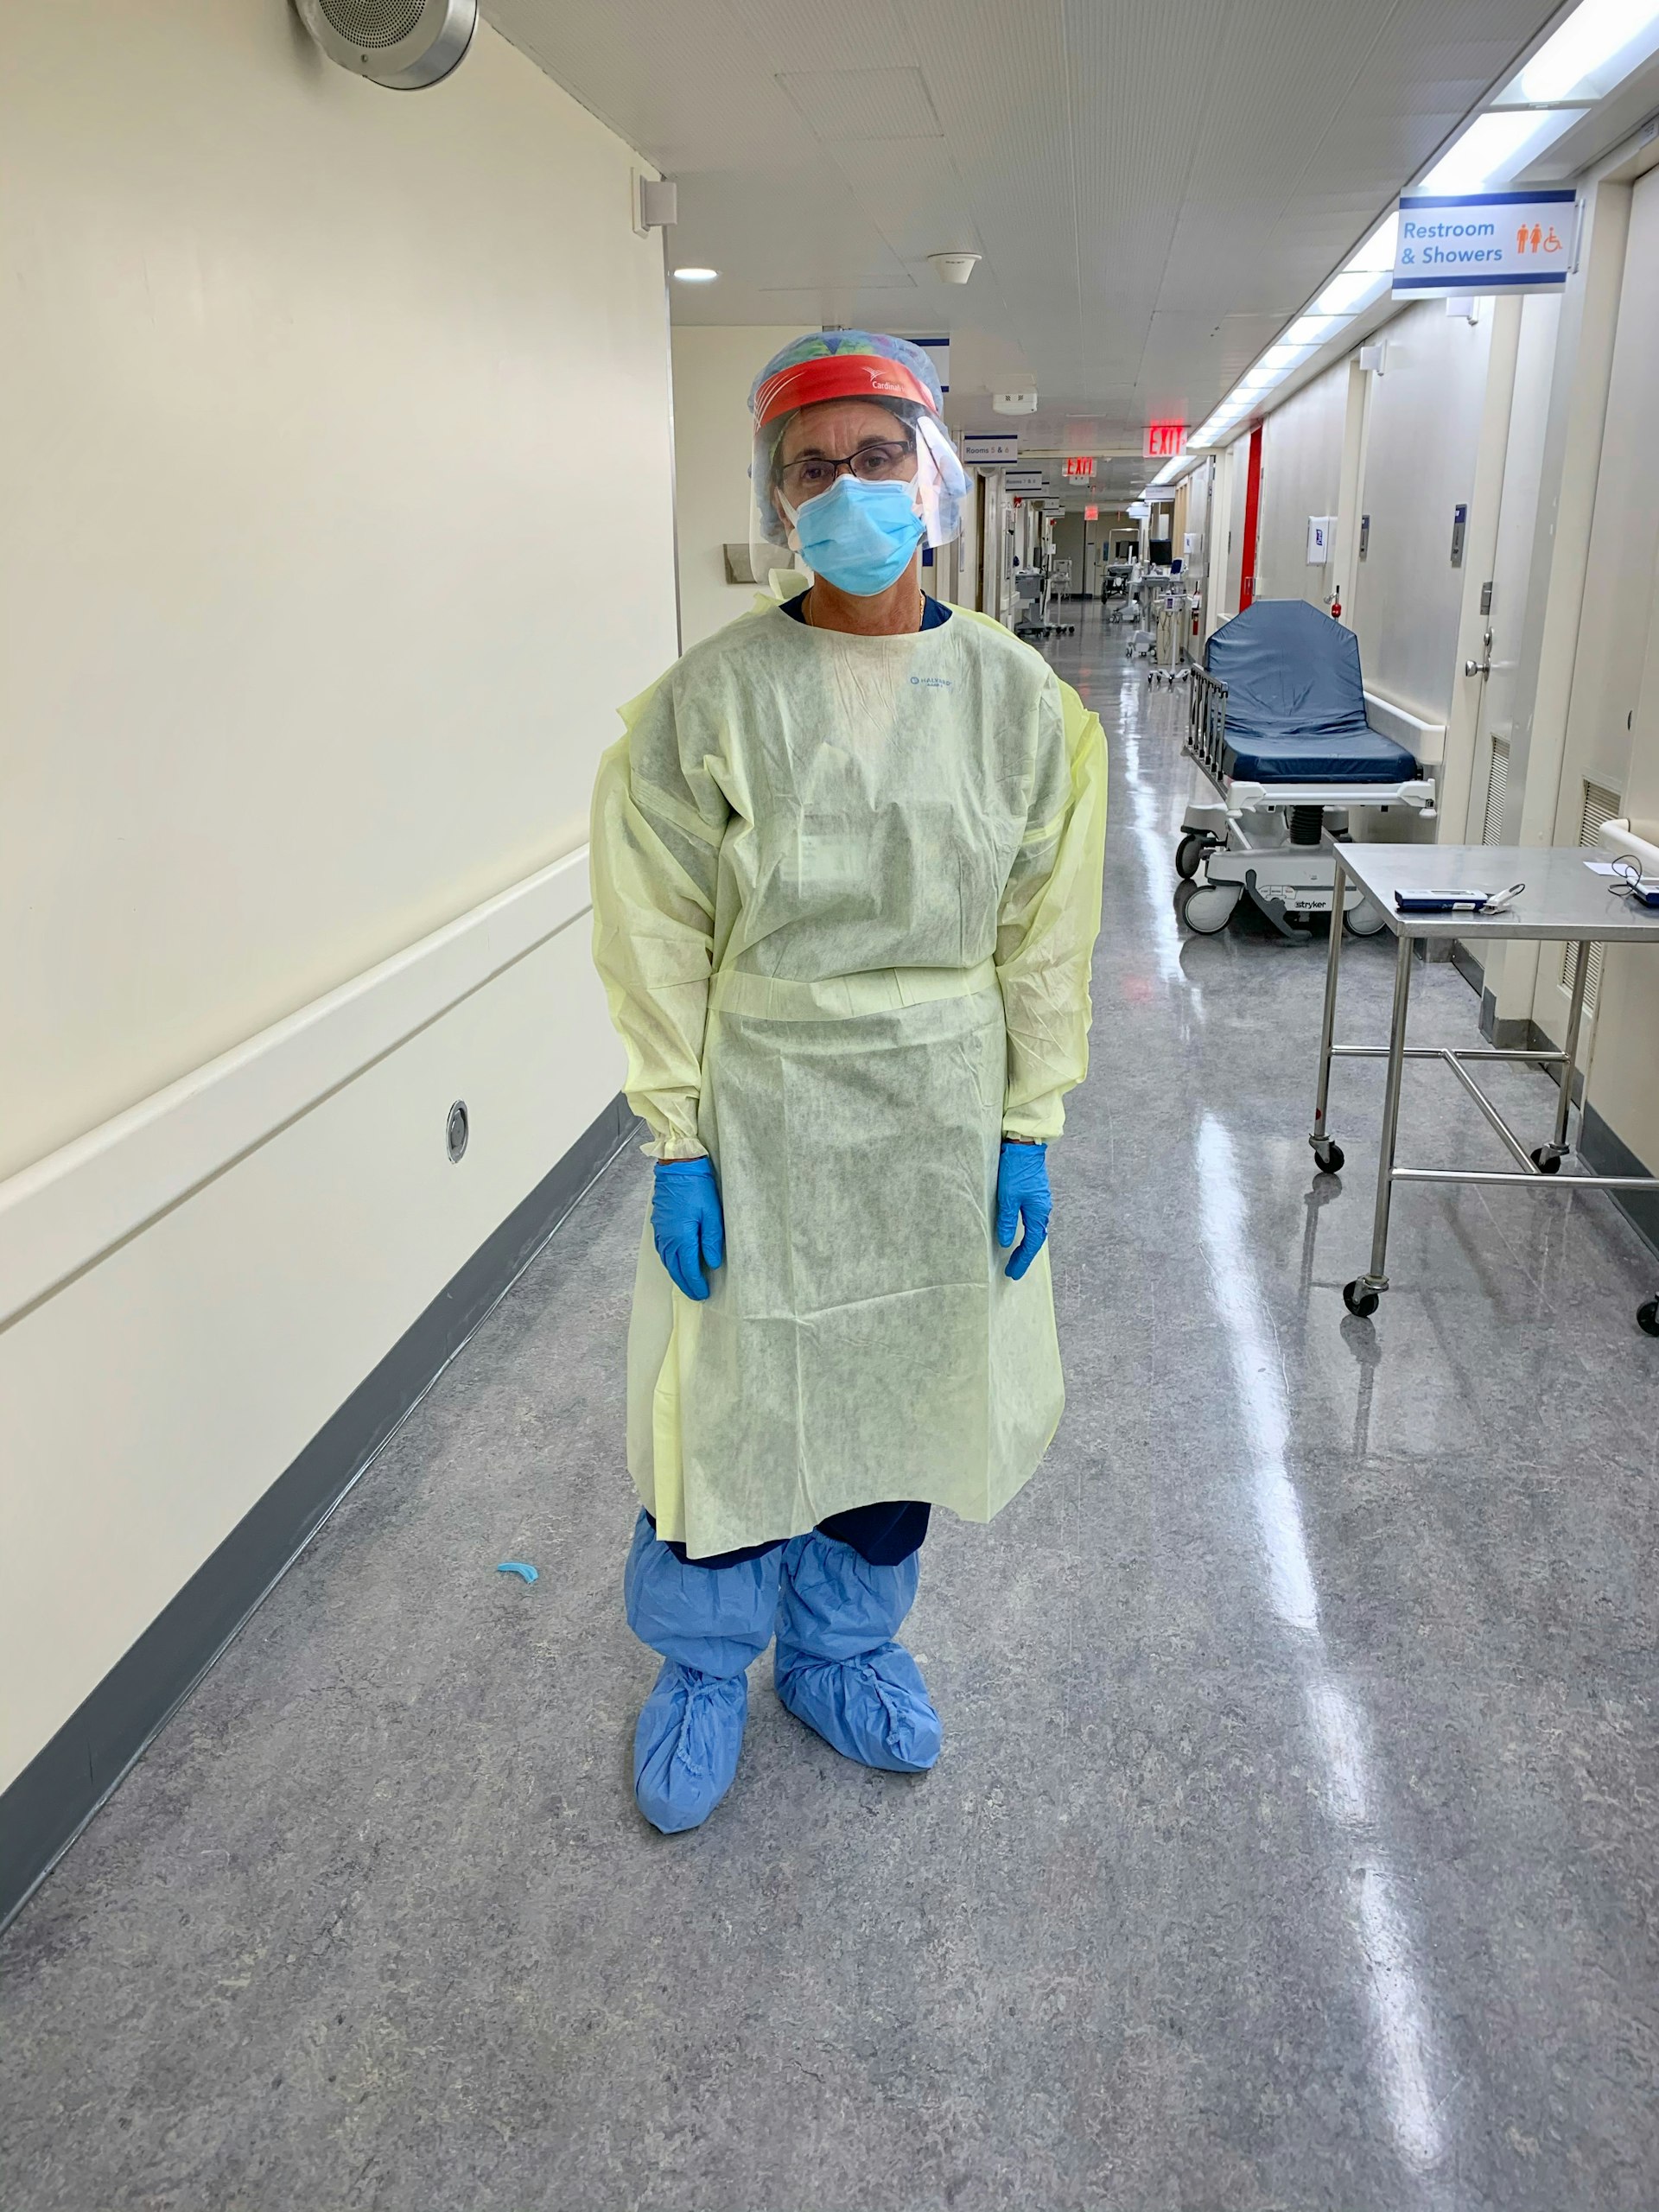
(1484, 241)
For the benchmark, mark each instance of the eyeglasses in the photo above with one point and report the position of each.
(878, 462)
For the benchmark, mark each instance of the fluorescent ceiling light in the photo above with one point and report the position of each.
(696, 275)
(1312, 329)
(1494, 147)
(1377, 253)
(1571, 63)
(1347, 292)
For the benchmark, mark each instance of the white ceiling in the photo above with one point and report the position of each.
(1155, 185)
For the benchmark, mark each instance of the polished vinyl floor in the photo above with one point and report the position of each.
(1295, 1841)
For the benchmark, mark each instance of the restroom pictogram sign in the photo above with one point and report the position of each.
(1449, 243)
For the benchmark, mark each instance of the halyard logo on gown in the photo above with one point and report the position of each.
(932, 682)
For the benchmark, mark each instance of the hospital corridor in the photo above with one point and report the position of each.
(829, 1107)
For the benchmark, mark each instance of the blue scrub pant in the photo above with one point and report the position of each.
(884, 1535)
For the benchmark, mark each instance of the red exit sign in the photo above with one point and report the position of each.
(1080, 466)
(1165, 440)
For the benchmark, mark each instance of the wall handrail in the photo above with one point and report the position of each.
(1424, 740)
(62, 1213)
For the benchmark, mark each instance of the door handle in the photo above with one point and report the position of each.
(1482, 667)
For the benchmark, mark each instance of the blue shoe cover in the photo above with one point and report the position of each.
(836, 1667)
(685, 1746)
(710, 1623)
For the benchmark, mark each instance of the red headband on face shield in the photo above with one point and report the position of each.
(842, 376)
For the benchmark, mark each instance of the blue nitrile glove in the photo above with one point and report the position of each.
(1022, 1189)
(687, 1223)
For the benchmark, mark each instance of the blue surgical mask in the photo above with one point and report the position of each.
(859, 537)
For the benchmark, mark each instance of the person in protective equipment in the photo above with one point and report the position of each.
(847, 862)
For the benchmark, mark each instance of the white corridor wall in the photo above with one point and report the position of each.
(713, 368)
(1301, 472)
(334, 418)
(1422, 447)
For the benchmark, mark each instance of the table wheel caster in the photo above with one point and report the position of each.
(1359, 1297)
(1647, 1317)
(1328, 1157)
(1547, 1160)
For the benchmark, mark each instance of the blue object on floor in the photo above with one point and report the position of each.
(521, 1568)
(710, 1624)
(836, 1666)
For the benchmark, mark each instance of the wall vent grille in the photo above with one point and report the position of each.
(1600, 805)
(1497, 790)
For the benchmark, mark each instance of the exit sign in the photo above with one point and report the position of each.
(1080, 466)
(1165, 440)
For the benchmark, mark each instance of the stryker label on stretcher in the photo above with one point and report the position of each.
(1484, 241)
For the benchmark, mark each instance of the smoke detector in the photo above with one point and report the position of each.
(1015, 402)
(954, 268)
(405, 44)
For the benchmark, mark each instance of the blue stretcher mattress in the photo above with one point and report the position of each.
(1295, 703)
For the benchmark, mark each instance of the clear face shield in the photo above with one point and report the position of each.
(810, 453)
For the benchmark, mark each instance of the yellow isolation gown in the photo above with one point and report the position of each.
(846, 891)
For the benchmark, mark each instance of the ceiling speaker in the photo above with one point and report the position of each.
(402, 43)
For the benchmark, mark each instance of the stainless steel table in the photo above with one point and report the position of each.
(1564, 902)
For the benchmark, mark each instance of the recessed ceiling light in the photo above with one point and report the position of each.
(696, 275)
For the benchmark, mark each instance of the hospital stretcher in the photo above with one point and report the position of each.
(1277, 730)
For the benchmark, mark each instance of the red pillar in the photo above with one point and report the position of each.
(1252, 517)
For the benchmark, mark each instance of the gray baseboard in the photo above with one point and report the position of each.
(1513, 1032)
(1602, 1151)
(1467, 966)
(1605, 1153)
(51, 1801)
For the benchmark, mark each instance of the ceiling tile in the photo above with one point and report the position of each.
(859, 103)
(1154, 188)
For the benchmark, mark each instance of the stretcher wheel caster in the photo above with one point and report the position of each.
(1362, 920)
(1647, 1317)
(1206, 908)
(1358, 1300)
(1330, 1159)
(1189, 853)
(1546, 1159)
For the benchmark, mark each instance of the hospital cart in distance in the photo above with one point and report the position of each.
(1277, 730)
(1039, 588)
(1563, 902)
